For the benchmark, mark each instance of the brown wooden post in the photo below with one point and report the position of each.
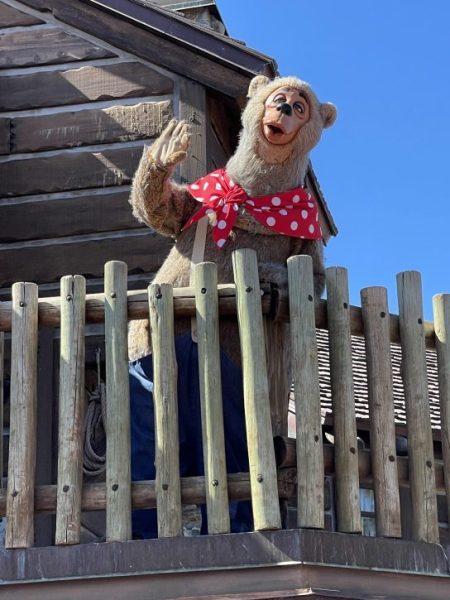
(420, 442)
(118, 448)
(22, 441)
(167, 460)
(205, 278)
(263, 476)
(71, 410)
(345, 437)
(2, 382)
(381, 406)
(310, 473)
(441, 308)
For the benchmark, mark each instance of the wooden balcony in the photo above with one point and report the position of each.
(314, 557)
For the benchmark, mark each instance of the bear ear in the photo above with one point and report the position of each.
(328, 113)
(256, 83)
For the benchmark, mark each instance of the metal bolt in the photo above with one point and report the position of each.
(429, 464)
(260, 478)
(353, 450)
(165, 486)
(310, 298)
(22, 303)
(159, 295)
(345, 305)
(382, 315)
(68, 297)
(420, 321)
(248, 289)
(113, 295)
(215, 482)
(203, 290)
(65, 488)
(391, 458)
(316, 438)
(15, 493)
(115, 487)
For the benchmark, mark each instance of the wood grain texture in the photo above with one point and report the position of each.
(118, 445)
(207, 319)
(193, 110)
(2, 382)
(79, 85)
(381, 409)
(310, 473)
(71, 410)
(266, 511)
(343, 398)
(5, 136)
(91, 126)
(441, 310)
(143, 251)
(420, 442)
(22, 439)
(68, 171)
(66, 214)
(11, 17)
(46, 46)
(165, 398)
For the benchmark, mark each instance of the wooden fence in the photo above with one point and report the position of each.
(302, 465)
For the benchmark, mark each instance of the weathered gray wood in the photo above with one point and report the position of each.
(105, 168)
(193, 110)
(206, 298)
(420, 442)
(2, 382)
(381, 406)
(168, 492)
(66, 214)
(118, 448)
(310, 473)
(5, 136)
(79, 85)
(143, 251)
(90, 126)
(22, 440)
(441, 309)
(11, 17)
(71, 410)
(266, 512)
(46, 46)
(341, 374)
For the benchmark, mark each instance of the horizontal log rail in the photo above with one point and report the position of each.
(273, 303)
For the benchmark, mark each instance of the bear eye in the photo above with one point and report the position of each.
(279, 98)
(299, 107)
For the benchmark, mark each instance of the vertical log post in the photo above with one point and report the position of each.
(441, 308)
(420, 443)
(118, 448)
(22, 441)
(2, 382)
(345, 437)
(310, 472)
(71, 410)
(375, 315)
(263, 475)
(167, 460)
(207, 305)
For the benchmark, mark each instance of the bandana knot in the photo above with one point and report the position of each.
(293, 213)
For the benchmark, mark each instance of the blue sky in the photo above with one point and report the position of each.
(384, 165)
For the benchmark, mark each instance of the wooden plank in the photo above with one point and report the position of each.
(143, 251)
(165, 397)
(5, 136)
(420, 442)
(22, 438)
(79, 85)
(206, 298)
(441, 309)
(381, 407)
(193, 110)
(11, 17)
(69, 171)
(91, 126)
(66, 214)
(343, 398)
(310, 473)
(265, 504)
(49, 45)
(71, 410)
(118, 447)
(2, 383)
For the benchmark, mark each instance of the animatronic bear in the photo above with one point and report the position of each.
(256, 202)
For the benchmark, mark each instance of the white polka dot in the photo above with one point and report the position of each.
(220, 243)
(218, 186)
(214, 197)
(194, 186)
(311, 229)
(296, 198)
(271, 221)
(250, 202)
(222, 224)
(283, 212)
(231, 182)
(205, 185)
(235, 207)
(215, 175)
(311, 204)
(294, 225)
(276, 201)
(304, 214)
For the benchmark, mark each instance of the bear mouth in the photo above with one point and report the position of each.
(275, 129)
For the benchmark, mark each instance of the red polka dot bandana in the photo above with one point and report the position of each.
(293, 213)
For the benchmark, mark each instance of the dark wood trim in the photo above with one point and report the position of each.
(11, 17)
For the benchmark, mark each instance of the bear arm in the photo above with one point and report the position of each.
(158, 201)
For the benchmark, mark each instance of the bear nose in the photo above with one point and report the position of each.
(285, 109)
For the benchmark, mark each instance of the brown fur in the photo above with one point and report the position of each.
(260, 168)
